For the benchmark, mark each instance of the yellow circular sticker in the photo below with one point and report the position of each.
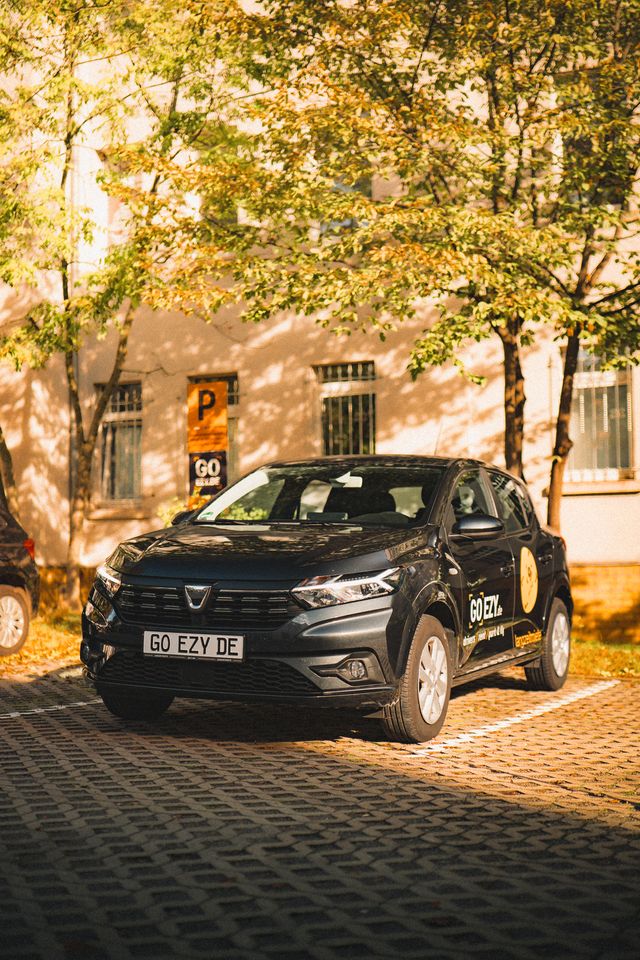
(528, 580)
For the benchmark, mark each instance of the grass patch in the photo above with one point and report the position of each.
(592, 659)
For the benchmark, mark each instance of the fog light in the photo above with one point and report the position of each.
(356, 669)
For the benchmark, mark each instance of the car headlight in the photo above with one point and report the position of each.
(109, 578)
(345, 588)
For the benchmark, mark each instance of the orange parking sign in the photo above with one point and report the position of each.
(207, 417)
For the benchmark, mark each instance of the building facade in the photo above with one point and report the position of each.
(297, 390)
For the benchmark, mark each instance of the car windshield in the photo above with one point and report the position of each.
(362, 495)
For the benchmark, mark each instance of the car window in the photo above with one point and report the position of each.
(514, 510)
(256, 504)
(330, 492)
(470, 496)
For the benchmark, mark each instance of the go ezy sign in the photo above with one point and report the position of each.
(207, 472)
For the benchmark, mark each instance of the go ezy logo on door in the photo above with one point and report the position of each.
(483, 608)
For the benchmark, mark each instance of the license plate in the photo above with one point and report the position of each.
(198, 646)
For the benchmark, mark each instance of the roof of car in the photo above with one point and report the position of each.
(382, 459)
(393, 459)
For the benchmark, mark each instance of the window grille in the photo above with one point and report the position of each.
(231, 379)
(601, 422)
(343, 372)
(349, 424)
(120, 447)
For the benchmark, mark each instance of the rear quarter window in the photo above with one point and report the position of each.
(514, 507)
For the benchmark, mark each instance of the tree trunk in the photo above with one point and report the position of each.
(514, 401)
(79, 500)
(8, 488)
(85, 449)
(563, 442)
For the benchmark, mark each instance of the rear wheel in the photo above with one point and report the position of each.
(550, 672)
(420, 710)
(136, 706)
(14, 620)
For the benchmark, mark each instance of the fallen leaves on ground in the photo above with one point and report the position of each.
(53, 643)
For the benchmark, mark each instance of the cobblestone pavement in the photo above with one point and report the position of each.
(234, 832)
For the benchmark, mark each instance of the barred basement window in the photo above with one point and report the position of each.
(120, 446)
(601, 422)
(342, 372)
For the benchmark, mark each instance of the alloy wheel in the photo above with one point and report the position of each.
(432, 680)
(560, 644)
(11, 622)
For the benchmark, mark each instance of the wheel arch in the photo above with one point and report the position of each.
(443, 609)
(563, 592)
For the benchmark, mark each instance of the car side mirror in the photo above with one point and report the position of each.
(182, 517)
(478, 526)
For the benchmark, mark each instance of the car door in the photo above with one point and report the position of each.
(532, 550)
(486, 574)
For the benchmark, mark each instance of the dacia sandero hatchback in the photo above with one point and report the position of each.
(371, 582)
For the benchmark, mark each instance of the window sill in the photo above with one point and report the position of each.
(119, 511)
(594, 487)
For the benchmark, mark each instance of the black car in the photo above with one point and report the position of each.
(371, 582)
(19, 583)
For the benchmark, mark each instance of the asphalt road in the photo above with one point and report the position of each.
(235, 832)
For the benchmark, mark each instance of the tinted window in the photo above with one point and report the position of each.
(514, 510)
(470, 496)
(363, 494)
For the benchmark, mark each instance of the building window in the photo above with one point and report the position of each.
(601, 422)
(231, 379)
(348, 418)
(345, 372)
(120, 445)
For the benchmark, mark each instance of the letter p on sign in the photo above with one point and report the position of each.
(207, 423)
(206, 400)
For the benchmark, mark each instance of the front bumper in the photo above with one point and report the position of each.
(302, 661)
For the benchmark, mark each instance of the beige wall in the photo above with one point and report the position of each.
(279, 417)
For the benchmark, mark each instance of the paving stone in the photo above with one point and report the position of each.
(264, 832)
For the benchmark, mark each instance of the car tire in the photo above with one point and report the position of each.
(15, 614)
(550, 671)
(418, 713)
(136, 706)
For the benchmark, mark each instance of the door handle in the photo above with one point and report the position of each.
(508, 569)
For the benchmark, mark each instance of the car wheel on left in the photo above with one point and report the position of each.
(14, 620)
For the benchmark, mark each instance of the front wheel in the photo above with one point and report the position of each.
(423, 697)
(14, 620)
(550, 671)
(138, 706)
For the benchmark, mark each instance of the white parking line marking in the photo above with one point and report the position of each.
(57, 706)
(437, 745)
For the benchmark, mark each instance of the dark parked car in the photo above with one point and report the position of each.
(374, 582)
(19, 583)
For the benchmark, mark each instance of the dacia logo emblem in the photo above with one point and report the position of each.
(196, 596)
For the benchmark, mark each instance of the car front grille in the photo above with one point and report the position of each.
(263, 677)
(167, 606)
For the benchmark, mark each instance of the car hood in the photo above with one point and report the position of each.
(268, 552)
